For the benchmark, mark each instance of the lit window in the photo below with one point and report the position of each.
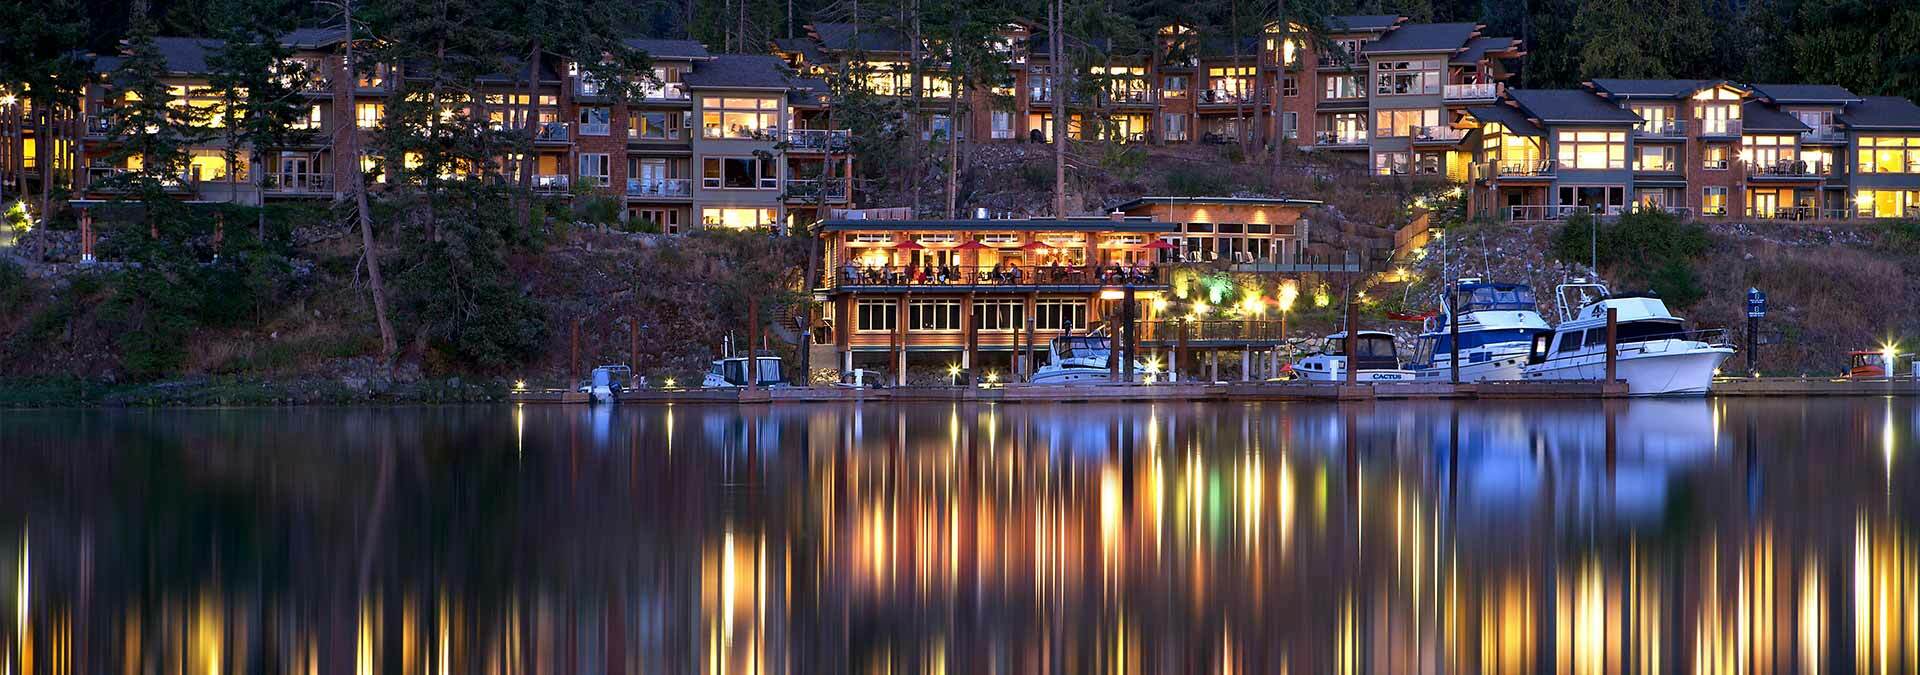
(739, 219)
(738, 117)
(1592, 149)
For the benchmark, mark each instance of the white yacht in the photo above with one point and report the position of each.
(1497, 325)
(1656, 354)
(1376, 360)
(1081, 359)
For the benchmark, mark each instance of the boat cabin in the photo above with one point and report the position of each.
(1372, 349)
(1081, 346)
(734, 371)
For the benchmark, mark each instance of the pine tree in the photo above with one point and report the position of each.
(260, 84)
(150, 131)
(1622, 40)
(39, 68)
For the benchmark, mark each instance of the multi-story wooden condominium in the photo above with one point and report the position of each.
(1704, 148)
(1381, 90)
(718, 141)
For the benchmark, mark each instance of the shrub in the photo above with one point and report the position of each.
(1198, 182)
(1650, 249)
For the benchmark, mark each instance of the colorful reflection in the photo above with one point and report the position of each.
(1630, 537)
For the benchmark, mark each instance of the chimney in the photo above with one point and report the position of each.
(980, 213)
(1117, 215)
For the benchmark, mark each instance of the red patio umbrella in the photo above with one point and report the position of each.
(971, 245)
(1160, 245)
(1035, 246)
(909, 245)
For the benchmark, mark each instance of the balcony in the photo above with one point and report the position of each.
(1437, 134)
(101, 179)
(659, 188)
(301, 184)
(595, 128)
(816, 189)
(665, 91)
(552, 132)
(1470, 92)
(1515, 170)
(1661, 129)
(1538, 213)
(1825, 133)
(1011, 276)
(1663, 166)
(1787, 169)
(551, 184)
(739, 133)
(1336, 61)
(1224, 97)
(1330, 139)
(818, 140)
(1682, 212)
(98, 126)
(1720, 127)
(654, 134)
(1130, 97)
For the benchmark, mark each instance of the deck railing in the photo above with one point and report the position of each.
(855, 276)
(1470, 92)
(659, 187)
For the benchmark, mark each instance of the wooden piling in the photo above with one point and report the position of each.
(1613, 343)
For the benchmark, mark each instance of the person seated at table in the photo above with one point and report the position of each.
(928, 274)
(999, 271)
(1013, 272)
(850, 272)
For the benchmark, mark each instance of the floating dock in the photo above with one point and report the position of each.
(1085, 393)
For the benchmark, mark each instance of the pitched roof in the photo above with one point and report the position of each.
(740, 71)
(1882, 112)
(1477, 49)
(1757, 116)
(1423, 37)
(1137, 202)
(1507, 116)
(1362, 22)
(668, 49)
(313, 38)
(1806, 93)
(183, 56)
(866, 38)
(1651, 88)
(807, 48)
(1570, 106)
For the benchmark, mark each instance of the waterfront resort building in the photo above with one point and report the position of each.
(719, 140)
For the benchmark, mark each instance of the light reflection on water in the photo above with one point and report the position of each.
(1576, 537)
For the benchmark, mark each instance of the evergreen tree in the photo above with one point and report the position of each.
(38, 66)
(260, 84)
(1621, 40)
(150, 132)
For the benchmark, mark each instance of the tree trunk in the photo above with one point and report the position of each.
(1055, 52)
(919, 172)
(530, 159)
(389, 347)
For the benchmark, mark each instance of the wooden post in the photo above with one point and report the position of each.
(1453, 336)
(1353, 341)
(1026, 365)
(972, 359)
(900, 333)
(1613, 335)
(574, 340)
(1179, 350)
(1130, 335)
(753, 342)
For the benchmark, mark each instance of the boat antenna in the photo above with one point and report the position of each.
(1593, 244)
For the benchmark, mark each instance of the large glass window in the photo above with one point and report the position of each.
(1657, 119)
(1768, 151)
(1713, 201)
(999, 315)
(654, 125)
(1592, 149)
(1656, 159)
(1407, 77)
(738, 173)
(731, 117)
(1889, 154)
(875, 316)
(1058, 314)
(1401, 123)
(1714, 157)
(593, 169)
(1887, 203)
(737, 218)
(1229, 84)
(1342, 86)
(933, 315)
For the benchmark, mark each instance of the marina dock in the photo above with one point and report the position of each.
(1084, 393)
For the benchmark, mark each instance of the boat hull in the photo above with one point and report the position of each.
(1078, 376)
(1364, 375)
(1508, 366)
(1675, 372)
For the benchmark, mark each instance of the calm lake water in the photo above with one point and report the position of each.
(1628, 537)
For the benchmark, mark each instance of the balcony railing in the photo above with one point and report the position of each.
(98, 125)
(1720, 127)
(552, 132)
(830, 189)
(1826, 133)
(1661, 129)
(1003, 134)
(1684, 212)
(1539, 169)
(301, 183)
(100, 178)
(659, 187)
(856, 276)
(595, 128)
(1127, 96)
(634, 134)
(667, 91)
(740, 133)
(1336, 60)
(1437, 133)
(818, 139)
(1224, 97)
(1788, 169)
(1544, 213)
(1470, 92)
(551, 184)
(1340, 138)
(1656, 167)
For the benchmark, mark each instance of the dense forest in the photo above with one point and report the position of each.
(1869, 46)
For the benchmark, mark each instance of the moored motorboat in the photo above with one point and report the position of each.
(1376, 359)
(1497, 324)
(1081, 359)
(1654, 351)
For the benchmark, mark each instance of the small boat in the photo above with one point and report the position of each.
(604, 386)
(1864, 365)
(1081, 359)
(1655, 353)
(1376, 360)
(731, 372)
(1497, 325)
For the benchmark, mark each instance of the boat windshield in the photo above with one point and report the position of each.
(1367, 345)
(736, 371)
(1485, 297)
(1081, 347)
